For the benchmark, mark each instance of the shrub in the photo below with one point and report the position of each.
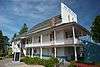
(27, 60)
(51, 62)
(72, 64)
(36, 60)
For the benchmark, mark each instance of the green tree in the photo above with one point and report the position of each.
(14, 36)
(1, 43)
(6, 45)
(23, 29)
(95, 29)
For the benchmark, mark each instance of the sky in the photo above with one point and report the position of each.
(14, 13)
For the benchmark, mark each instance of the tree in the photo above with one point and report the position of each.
(95, 29)
(14, 36)
(1, 42)
(23, 29)
(5, 45)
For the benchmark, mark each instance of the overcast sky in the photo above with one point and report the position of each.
(14, 13)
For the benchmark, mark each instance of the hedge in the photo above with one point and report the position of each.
(36, 60)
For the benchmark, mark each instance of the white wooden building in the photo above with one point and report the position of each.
(57, 36)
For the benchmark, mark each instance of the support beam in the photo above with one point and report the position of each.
(32, 52)
(20, 51)
(73, 29)
(41, 38)
(41, 47)
(54, 36)
(41, 52)
(55, 51)
(75, 51)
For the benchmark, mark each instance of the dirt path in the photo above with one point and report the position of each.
(8, 63)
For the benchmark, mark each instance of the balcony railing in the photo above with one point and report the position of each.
(68, 41)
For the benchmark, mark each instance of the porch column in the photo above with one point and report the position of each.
(73, 29)
(41, 52)
(55, 51)
(54, 36)
(29, 52)
(41, 47)
(75, 52)
(20, 51)
(32, 52)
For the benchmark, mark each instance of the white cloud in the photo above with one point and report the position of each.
(7, 24)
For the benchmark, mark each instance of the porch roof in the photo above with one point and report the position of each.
(60, 45)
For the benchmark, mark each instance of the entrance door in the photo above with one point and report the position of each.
(17, 56)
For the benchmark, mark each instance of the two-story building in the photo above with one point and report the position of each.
(58, 36)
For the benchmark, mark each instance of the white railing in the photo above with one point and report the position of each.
(57, 42)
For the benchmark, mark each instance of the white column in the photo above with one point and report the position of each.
(54, 36)
(29, 52)
(55, 51)
(75, 52)
(41, 48)
(32, 52)
(73, 34)
(41, 52)
(41, 39)
(20, 51)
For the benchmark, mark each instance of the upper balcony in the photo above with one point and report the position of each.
(66, 42)
(64, 34)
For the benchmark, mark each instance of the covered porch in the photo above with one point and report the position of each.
(66, 53)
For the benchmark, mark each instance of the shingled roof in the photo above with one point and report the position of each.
(45, 23)
(41, 25)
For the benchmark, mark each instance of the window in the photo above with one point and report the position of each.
(30, 51)
(29, 40)
(66, 34)
(27, 51)
(35, 51)
(39, 39)
(26, 41)
(52, 36)
(53, 50)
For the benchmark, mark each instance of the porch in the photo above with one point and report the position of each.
(66, 53)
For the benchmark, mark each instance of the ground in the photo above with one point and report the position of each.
(8, 63)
